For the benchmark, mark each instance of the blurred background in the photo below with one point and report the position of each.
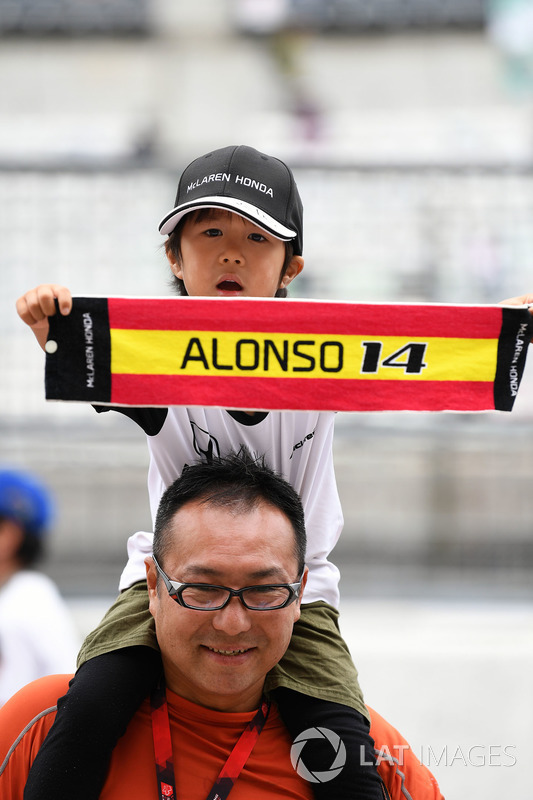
(409, 125)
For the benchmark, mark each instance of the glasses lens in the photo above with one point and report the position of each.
(263, 597)
(204, 596)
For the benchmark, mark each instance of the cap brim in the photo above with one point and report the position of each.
(247, 210)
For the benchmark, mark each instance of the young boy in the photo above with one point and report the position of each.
(235, 231)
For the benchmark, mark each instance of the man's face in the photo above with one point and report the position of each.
(219, 659)
(225, 255)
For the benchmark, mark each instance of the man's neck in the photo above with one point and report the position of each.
(238, 701)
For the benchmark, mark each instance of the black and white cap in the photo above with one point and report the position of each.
(240, 179)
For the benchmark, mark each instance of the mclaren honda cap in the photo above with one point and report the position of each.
(260, 188)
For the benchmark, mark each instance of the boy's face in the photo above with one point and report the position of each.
(225, 255)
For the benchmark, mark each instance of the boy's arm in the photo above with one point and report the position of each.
(36, 305)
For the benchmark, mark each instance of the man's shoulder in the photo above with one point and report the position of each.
(42, 691)
(400, 769)
(32, 703)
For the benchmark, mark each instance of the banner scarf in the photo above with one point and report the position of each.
(272, 354)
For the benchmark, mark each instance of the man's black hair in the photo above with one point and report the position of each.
(240, 480)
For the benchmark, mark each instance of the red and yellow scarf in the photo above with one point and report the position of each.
(266, 354)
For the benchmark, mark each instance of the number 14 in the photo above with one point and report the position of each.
(410, 357)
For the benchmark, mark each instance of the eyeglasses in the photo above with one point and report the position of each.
(208, 597)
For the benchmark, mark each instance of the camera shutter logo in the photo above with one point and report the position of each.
(338, 748)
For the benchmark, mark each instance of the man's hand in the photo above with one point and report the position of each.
(35, 306)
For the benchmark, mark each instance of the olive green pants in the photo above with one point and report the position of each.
(317, 662)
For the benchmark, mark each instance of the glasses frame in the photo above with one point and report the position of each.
(176, 589)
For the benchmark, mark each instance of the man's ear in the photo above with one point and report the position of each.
(304, 582)
(299, 601)
(151, 579)
(296, 265)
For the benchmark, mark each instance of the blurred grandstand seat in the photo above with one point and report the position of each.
(362, 15)
(74, 17)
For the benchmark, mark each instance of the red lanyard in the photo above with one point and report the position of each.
(231, 770)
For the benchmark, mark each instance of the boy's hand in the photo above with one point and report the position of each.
(38, 304)
(524, 299)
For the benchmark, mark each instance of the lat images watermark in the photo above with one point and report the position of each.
(480, 755)
(338, 755)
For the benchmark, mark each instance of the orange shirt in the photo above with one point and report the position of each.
(202, 740)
